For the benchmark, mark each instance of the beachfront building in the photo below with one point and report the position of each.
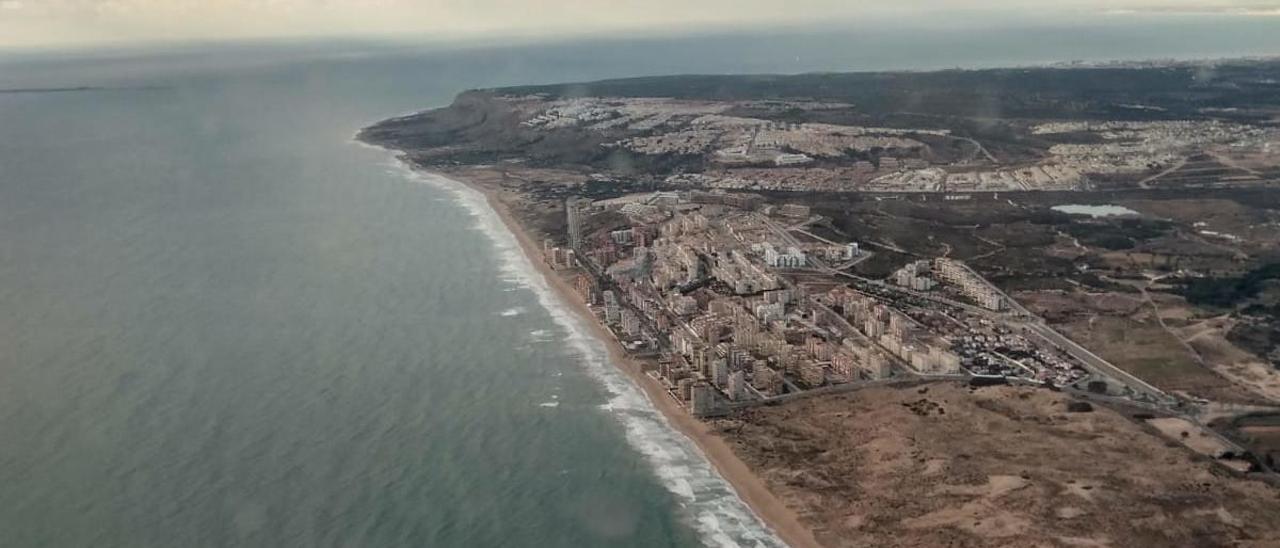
(630, 323)
(702, 399)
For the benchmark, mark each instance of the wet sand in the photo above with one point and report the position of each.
(750, 488)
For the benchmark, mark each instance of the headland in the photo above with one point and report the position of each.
(770, 256)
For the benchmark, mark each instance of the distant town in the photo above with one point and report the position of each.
(761, 154)
(845, 276)
(734, 303)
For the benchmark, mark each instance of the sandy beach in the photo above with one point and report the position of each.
(749, 487)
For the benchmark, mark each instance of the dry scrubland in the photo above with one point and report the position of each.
(1162, 340)
(948, 465)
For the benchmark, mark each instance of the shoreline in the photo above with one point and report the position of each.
(750, 488)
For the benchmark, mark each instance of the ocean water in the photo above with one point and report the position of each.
(226, 323)
(223, 323)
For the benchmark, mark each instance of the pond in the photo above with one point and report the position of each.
(1094, 210)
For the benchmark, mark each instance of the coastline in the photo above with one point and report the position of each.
(749, 487)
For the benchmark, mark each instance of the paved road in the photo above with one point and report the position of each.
(1096, 363)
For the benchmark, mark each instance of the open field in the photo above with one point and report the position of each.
(1124, 329)
(1261, 433)
(1232, 362)
(945, 465)
(1194, 437)
(1144, 350)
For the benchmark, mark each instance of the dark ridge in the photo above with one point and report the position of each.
(1175, 92)
(76, 89)
(50, 90)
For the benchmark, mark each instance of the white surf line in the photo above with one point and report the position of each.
(719, 516)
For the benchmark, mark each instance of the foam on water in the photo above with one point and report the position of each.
(515, 311)
(714, 509)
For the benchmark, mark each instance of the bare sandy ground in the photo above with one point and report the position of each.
(948, 465)
(1193, 436)
(750, 488)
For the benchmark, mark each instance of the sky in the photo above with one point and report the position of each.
(76, 23)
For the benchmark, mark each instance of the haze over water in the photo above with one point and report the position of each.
(223, 323)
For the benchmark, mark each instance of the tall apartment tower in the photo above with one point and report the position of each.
(573, 218)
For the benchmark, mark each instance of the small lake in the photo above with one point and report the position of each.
(1094, 210)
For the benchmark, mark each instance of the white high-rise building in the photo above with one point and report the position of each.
(737, 388)
(573, 218)
(720, 372)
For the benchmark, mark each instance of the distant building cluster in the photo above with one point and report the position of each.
(896, 333)
(1144, 147)
(791, 257)
(732, 307)
(697, 279)
(759, 154)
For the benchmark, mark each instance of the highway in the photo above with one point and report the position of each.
(1018, 315)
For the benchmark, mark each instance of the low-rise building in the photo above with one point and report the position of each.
(798, 211)
(791, 159)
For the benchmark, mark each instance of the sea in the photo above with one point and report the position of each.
(225, 323)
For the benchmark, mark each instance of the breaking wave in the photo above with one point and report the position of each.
(710, 503)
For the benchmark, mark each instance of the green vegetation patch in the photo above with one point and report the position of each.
(1118, 235)
(1228, 292)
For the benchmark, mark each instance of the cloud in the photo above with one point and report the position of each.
(1264, 9)
(70, 22)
